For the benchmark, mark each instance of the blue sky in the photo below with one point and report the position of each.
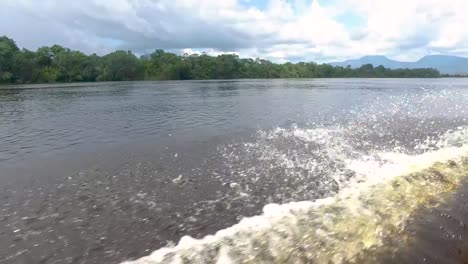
(279, 30)
(260, 4)
(351, 20)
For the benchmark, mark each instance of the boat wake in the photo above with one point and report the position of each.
(376, 193)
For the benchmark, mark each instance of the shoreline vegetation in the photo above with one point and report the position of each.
(58, 64)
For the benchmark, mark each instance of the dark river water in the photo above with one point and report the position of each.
(109, 172)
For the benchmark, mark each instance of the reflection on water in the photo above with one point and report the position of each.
(36, 121)
(101, 173)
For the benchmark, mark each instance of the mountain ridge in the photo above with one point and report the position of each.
(445, 64)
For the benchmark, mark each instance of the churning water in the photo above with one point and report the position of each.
(298, 171)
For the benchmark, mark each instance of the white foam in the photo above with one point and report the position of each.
(370, 170)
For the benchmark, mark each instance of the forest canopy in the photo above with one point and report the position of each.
(60, 64)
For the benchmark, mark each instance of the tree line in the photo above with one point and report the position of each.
(60, 64)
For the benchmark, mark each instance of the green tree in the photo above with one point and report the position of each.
(71, 65)
(121, 66)
(8, 51)
(60, 64)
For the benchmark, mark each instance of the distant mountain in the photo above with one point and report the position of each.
(443, 63)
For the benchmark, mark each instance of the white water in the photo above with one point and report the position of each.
(280, 228)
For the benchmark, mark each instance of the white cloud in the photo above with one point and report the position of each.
(283, 30)
(411, 28)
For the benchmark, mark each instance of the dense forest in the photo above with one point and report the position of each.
(59, 64)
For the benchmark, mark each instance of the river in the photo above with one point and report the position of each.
(109, 172)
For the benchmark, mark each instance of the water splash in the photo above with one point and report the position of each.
(348, 227)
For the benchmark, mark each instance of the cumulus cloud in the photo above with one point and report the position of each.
(411, 28)
(280, 30)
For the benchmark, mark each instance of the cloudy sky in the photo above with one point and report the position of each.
(280, 30)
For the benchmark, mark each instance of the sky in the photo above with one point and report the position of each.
(278, 30)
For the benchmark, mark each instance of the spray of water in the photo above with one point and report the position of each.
(376, 194)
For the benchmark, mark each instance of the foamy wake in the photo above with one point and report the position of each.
(344, 228)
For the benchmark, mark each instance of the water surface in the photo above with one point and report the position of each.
(106, 172)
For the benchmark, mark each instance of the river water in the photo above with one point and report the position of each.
(110, 172)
